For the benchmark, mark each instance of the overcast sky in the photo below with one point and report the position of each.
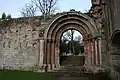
(13, 6)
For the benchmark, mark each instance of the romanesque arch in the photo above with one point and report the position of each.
(71, 20)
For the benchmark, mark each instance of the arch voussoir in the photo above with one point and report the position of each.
(79, 22)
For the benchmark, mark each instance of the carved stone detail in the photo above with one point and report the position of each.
(96, 12)
(41, 32)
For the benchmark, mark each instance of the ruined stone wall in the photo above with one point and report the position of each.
(116, 26)
(98, 12)
(22, 40)
(109, 25)
(115, 11)
(19, 43)
(112, 22)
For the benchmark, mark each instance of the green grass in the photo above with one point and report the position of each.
(24, 75)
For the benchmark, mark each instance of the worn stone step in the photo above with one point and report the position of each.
(72, 70)
(73, 67)
(73, 64)
(73, 78)
(72, 61)
(76, 69)
(75, 74)
(72, 58)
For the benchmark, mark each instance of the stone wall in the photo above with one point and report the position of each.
(113, 10)
(110, 25)
(22, 40)
(19, 43)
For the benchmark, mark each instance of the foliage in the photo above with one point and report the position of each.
(9, 16)
(47, 7)
(63, 47)
(4, 18)
(3, 15)
(66, 47)
(71, 43)
(29, 10)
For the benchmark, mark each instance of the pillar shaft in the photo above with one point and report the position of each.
(53, 53)
(41, 54)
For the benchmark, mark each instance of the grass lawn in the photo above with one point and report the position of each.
(24, 75)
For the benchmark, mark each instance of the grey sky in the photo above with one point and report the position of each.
(13, 6)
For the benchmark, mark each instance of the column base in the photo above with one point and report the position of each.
(48, 67)
(53, 66)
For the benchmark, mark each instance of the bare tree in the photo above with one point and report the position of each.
(69, 36)
(74, 41)
(29, 10)
(46, 7)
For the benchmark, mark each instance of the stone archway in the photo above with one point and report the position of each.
(115, 55)
(77, 21)
(71, 48)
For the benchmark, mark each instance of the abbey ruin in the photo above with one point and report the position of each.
(30, 42)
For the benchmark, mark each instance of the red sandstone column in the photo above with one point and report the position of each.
(52, 54)
(94, 51)
(48, 55)
(98, 54)
(88, 54)
(45, 53)
(91, 52)
(57, 53)
(86, 51)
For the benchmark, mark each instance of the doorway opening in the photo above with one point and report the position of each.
(71, 48)
(71, 21)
